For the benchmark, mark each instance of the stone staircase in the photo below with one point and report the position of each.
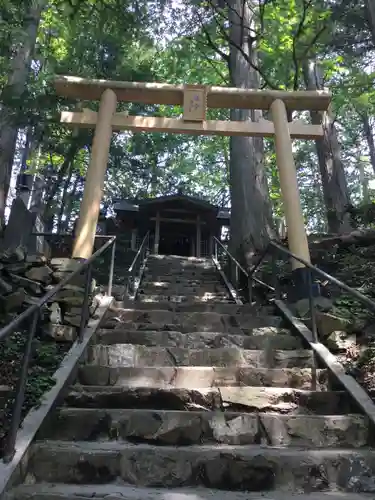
(187, 281)
(185, 393)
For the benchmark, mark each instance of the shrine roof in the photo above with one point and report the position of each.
(132, 205)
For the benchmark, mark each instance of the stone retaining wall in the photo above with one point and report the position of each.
(25, 278)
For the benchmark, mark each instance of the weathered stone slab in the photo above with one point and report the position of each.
(147, 306)
(241, 468)
(40, 273)
(112, 491)
(188, 322)
(65, 264)
(197, 340)
(176, 427)
(18, 267)
(197, 288)
(158, 426)
(328, 323)
(191, 377)
(34, 286)
(5, 287)
(13, 301)
(79, 280)
(285, 400)
(141, 316)
(316, 431)
(36, 259)
(183, 298)
(61, 333)
(144, 398)
(138, 355)
(242, 399)
(338, 342)
(222, 308)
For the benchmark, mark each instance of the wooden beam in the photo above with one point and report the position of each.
(180, 221)
(164, 93)
(121, 121)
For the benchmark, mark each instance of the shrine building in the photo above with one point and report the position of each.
(178, 224)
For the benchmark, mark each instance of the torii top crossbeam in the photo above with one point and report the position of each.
(217, 97)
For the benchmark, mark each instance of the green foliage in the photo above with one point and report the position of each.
(186, 43)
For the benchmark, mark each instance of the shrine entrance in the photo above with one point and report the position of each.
(195, 100)
(176, 239)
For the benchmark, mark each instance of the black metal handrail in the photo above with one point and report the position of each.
(32, 315)
(137, 265)
(340, 284)
(218, 246)
(313, 270)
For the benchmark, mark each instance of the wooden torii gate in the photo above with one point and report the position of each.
(195, 99)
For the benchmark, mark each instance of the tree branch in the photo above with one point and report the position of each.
(247, 58)
(211, 43)
(298, 33)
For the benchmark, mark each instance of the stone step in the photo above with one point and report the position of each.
(197, 340)
(119, 355)
(279, 400)
(225, 467)
(188, 287)
(190, 271)
(179, 258)
(231, 309)
(116, 324)
(189, 321)
(175, 261)
(181, 277)
(191, 377)
(175, 264)
(190, 299)
(163, 427)
(111, 491)
(183, 291)
(160, 284)
(182, 280)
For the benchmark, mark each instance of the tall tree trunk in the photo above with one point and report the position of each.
(251, 217)
(54, 184)
(64, 198)
(12, 96)
(367, 129)
(364, 182)
(64, 227)
(370, 4)
(335, 188)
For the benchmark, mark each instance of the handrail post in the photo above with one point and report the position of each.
(236, 277)
(111, 269)
(314, 329)
(85, 312)
(250, 289)
(275, 280)
(20, 393)
(140, 258)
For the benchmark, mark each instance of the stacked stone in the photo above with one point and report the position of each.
(24, 279)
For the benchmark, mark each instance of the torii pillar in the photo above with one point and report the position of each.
(297, 238)
(93, 191)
